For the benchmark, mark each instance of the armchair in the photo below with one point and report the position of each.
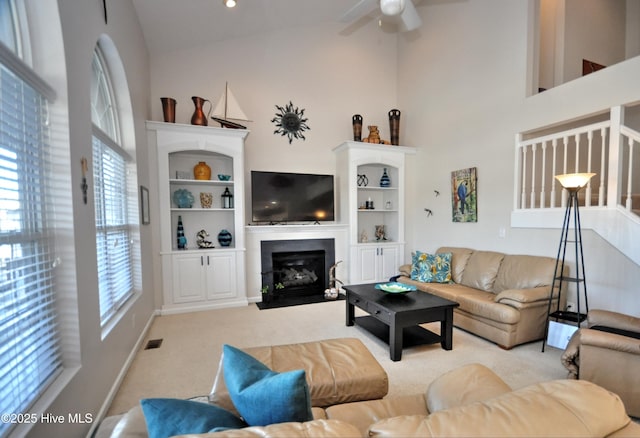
(607, 353)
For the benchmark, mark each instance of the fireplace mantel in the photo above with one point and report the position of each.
(255, 234)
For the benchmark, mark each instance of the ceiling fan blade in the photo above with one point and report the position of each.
(409, 18)
(363, 7)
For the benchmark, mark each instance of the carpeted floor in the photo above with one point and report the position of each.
(186, 363)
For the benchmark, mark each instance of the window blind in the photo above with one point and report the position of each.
(113, 240)
(30, 354)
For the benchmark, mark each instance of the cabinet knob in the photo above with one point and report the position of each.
(201, 261)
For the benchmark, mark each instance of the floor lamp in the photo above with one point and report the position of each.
(572, 183)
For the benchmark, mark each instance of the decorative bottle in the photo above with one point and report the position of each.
(227, 198)
(202, 171)
(182, 240)
(385, 181)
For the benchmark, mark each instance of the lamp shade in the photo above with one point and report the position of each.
(392, 7)
(574, 180)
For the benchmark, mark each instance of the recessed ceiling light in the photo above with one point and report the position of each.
(229, 3)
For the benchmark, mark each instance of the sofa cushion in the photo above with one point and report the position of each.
(166, 417)
(263, 396)
(482, 304)
(524, 272)
(481, 270)
(459, 259)
(554, 408)
(464, 385)
(431, 268)
(338, 370)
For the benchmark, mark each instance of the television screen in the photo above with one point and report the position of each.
(288, 197)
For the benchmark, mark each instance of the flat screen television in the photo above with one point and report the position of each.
(291, 197)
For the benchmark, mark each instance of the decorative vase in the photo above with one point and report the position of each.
(168, 109)
(198, 117)
(202, 171)
(357, 127)
(394, 126)
(224, 238)
(206, 199)
(181, 239)
(385, 181)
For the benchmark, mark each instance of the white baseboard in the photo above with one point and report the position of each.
(123, 372)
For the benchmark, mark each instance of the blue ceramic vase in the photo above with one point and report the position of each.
(385, 181)
(224, 238)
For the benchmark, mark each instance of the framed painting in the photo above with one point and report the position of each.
(464, 195)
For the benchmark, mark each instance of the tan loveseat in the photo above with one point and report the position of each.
(468, 401)
(503, 298)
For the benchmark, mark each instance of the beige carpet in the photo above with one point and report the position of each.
(186, 363)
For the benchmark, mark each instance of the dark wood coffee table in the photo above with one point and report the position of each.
(394, 318)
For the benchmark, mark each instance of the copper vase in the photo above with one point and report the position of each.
(198, 117)
(168, 109)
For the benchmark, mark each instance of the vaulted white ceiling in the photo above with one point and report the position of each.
(171, 25)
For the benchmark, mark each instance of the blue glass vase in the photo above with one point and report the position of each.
(224, 238)
(385, 181)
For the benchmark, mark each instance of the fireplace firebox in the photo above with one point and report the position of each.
(296, 267)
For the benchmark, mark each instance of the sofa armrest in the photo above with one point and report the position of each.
(405, 270)
(614, 320)
(595, 338)
(521, 297)
(611, 341)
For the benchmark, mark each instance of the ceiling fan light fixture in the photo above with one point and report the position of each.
(229, 3)
(392, 7)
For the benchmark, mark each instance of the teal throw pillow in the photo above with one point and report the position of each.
(263, 396)
(167, 417)
(431, 268)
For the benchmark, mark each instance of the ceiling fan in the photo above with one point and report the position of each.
(402, 10)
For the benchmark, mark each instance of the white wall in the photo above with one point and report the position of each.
(100, 360)
(468, 92)
(461, 87)
(329, 75)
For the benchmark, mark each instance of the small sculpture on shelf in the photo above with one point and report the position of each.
(180, 237)
(374, 136)
(380, 233)
(202, 240)
(333, 291)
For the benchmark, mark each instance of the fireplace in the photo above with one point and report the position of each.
(296, 267)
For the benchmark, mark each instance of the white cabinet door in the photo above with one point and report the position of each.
(388, 262)
(367, 264)
(376, 263)
(188, 278)
(221, 276)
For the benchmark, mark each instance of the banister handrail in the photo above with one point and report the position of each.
(568, 133)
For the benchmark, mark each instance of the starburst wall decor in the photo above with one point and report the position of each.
(290, 121)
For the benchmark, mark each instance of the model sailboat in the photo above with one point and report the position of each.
(228, 109)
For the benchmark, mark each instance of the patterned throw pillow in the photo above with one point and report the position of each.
(431, 268)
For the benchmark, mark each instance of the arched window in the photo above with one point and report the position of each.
(114, 187)
(30, 343)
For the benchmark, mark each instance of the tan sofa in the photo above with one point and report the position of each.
(503, 298)
(469, 401)
(607, 353)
